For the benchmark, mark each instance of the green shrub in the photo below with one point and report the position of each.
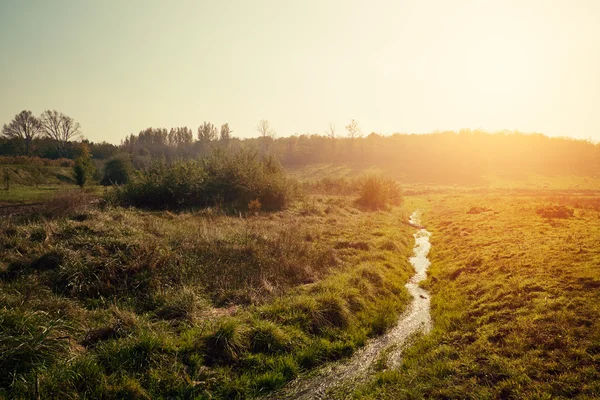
(377, 193)
(81, 173)
(224, 179)
(117, 171)
(83, 168)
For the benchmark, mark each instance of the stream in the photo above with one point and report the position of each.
(359, 367)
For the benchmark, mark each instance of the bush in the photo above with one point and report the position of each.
(229, 180)
(67, 202)
(377, 192)
(555, 212)
(117, 171)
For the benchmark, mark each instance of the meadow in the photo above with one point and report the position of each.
(101, 301)
(247, 279)
(515, 297)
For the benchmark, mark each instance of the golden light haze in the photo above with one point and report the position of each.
(394, 66)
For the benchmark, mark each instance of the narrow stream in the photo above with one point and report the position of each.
(357, 369)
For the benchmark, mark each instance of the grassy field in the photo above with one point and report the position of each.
(100, 301)
(32, 184)
(121, 303)
(515, 301)
(527, 182)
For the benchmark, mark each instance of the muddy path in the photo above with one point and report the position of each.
(390, 345)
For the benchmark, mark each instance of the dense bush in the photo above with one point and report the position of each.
(224, 179)
(117, 171)
(378, 192)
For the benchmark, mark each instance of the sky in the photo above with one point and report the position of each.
(118, 67)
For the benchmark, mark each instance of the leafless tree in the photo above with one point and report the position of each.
(331, 134)
(266, 133)
(353, 130)
(25, 127)
(331, 131)
(61, 128)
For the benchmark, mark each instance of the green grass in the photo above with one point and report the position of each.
(122, 303)
(514, 302)
(27, 194)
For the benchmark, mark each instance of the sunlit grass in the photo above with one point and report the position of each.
(125, 303)
(514, 303)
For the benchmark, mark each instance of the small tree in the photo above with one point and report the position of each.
(354, 133)
(24, 128)
(331, 134)
(353, 130)
(266, 133)
(83, 168)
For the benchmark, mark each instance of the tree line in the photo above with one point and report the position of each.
(26, 128)
(456, 157)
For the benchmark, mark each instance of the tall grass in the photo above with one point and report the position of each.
(130, 304)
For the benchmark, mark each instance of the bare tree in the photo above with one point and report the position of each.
(331, 134)
(353, 130)
(266, 133)
(61, 128)
(24, 127)
(331, 131)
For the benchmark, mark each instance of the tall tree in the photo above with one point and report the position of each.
(60, 128)
(24, 128)
(207, 132)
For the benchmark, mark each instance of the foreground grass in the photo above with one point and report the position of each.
(122, 303)
(514, 300)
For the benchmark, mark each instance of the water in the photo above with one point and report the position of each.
(358, 368)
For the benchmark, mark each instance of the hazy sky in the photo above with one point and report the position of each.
(395, 66)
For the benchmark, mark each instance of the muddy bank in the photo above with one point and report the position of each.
(358, 368)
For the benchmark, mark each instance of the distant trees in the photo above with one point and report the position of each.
(225, 133)
(207, 132)
(60, 128)
(24, 128)
(180, 136)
